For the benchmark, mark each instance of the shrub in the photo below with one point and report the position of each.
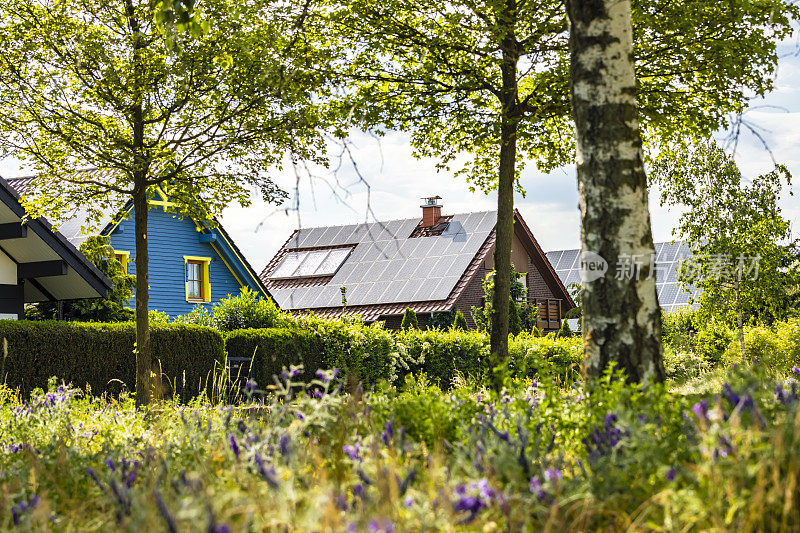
(443, 355)
(245, 311)
(533, 356)
(564, 330)
(101, 355)
(272, 349)
(460, 321)
(409, 320)
(365, 352)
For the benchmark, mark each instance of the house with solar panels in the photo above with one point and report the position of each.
(669, 256)
(190, 264)
(431, 264)
(39, 264)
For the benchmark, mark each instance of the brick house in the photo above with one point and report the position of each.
(432, 264)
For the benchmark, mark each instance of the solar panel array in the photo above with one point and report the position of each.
(669, 256)
(386, 266)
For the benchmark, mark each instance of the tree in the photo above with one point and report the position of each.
(621, 315)
(489, 78)
(522, 316)
(459, 322)
(409, 320)
(95, 84)
(735, 230)
(111, 308)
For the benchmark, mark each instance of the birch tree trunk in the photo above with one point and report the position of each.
(622, 318)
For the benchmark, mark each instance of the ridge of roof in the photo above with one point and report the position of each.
(110, 222)
(100, 279)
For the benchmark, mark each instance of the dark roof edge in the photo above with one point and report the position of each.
(74, 258)
(553, 281)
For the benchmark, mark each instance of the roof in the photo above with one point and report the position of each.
(73, 228)
(669, 255)
(42, 243)
(393, 265)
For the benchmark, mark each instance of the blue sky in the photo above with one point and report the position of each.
(397, 181)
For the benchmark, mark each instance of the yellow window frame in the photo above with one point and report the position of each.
(123, 257)
(205, 262)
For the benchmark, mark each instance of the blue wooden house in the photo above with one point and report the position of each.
(190, 264)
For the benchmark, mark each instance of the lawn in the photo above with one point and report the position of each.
(719, 451)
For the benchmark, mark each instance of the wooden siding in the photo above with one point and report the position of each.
(170, 238)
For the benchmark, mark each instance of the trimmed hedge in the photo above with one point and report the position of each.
(374, 354)
(101, 355)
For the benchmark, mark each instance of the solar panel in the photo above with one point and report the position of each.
(288, 265)
(310, 263)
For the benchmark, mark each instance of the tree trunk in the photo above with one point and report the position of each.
(144, 359)
(505, 190)
(144, 356)
(621, 315)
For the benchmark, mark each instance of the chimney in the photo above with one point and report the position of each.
(431, 211)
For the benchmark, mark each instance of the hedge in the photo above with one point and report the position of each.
(101, 356)
(374, 354)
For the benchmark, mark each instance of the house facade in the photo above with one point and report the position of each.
(190, 263)
(39, 264)
(433, 264)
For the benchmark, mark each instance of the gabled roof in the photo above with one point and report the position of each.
(72, 228)
(41, 243)
(392, 265)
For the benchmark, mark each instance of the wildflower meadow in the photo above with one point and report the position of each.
(326, 455)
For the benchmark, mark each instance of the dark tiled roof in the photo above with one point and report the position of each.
(387, 267)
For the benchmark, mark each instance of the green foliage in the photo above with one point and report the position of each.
(600, 456)
(521, 315)
(734, 230)
(109, 309)
(564, 330)
(409, 320)
(101, 356)
(247, 310)
(442, 320)
(372, 354)
(460, 321)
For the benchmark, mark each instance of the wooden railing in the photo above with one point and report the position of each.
(549, 313)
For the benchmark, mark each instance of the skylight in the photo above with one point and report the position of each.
(311, 263)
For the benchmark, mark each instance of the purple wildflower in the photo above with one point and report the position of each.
(234, 445)
(351, 451)
(380, 526)
(222, 528)
(250, 386)
(409, 501)
(283, 444)
(110, 465)
(671, 474)
(795, 369)
(700, 409)
(552, 473)
(322, 376)
(536, 488)
(358, 490)
(730, 395)
(388, 433)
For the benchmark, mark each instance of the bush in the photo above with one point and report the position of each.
(409, 320)
(532, 356)
(460, 321)
(366, 352)
(245, 311)
(101, 356)
(443, 355)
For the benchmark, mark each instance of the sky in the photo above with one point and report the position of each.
(397, 181)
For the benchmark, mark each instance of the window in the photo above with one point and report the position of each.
(122, 258)
(311, 263)
(198, 285)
